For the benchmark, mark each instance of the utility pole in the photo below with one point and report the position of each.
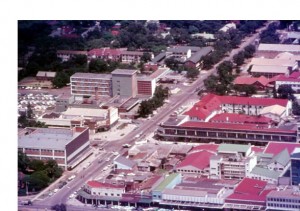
(26, 183)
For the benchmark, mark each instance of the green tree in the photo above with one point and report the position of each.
(39, 180)
(23, 162)
(146, 57)
(285, 92)
(247, 89)
(296, 108)
(98, 66)
(249, 51)
(61, 79)
(239, 58)
(211, 83)
(192, 73)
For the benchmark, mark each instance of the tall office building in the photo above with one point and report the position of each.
(124, 83)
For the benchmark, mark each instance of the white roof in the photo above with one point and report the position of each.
(279, 47)
(288, 56)
(46, 74)
(47, 138)
(228, 26)
(273, 62)
(269, 69)
(274, 109)
(86, 112)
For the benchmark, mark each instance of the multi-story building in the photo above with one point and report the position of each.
(105, 54)
(124, 82)
(90, 84)
(131, 56)
(65, 146)
(232, 161)
(272, 67)
(284, 199)
(169, 182)
(295, 167)
(272, 50)
(146, 85)
(95, 192)
(293, 81)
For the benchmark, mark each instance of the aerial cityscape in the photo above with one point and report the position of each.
(158, 115)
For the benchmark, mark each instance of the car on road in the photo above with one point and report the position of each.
(55, 190)
(72, 177)
(71, 196)
(126, 145)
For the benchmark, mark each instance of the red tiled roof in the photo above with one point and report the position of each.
(250, 190)
(277, 147)
(211, 102)
(198, 160)
(231, 126)
(256, 149)
(295, 76)
(96, 184)
(252, 101)
(240, 118)
(152, 67)
(104, 52)
(251, 80)
(203, 108)
(207, 147)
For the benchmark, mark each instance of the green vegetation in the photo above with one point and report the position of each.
(148, 106)
(269, 35)
(38, 174)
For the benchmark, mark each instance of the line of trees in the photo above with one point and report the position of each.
(222, 83)
(148, 106)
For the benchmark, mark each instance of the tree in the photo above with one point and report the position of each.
(98, 66)
(146, 57)
(59, 207)
(23, 162)
(296, 108)
(39, 180)
(247, 89)
(192, 73)
(249, 51)
(285, 92)
(211, 83)
(225, 71)
(239, 58)
(61, 79)
(269, 35)
(172, 63)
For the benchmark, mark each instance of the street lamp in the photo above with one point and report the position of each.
(26, 183)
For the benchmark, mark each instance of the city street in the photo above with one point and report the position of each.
(145, 128)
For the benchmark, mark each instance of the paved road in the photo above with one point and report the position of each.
(146, 127)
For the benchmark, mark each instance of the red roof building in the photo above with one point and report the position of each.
(105, 53)
(249, 192)
(197, 163)
(241, 118)
(207, 147)
(277, 147)
(260, 83)
(96, 184)
(293, 80)
(231, 104)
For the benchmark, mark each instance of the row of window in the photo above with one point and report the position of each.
(284, 205)
(106, 194)
(284, 200)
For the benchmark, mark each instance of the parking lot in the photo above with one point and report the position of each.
(39, 102)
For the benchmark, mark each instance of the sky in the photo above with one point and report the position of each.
(12, 11)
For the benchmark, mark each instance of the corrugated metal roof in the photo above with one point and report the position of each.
(166, 182)
(265, 172)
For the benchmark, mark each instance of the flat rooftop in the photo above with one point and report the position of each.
(47, 138)
(124, 71)
(91, 75)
